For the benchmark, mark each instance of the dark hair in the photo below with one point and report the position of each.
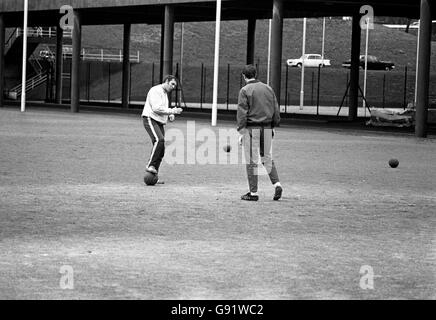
(170, 77)
(249, 71)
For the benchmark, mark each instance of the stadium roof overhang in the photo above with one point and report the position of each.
(99, 12)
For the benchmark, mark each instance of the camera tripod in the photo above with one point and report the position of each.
(182, 96)
(345, 94)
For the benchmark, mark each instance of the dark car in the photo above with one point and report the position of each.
(373, 63)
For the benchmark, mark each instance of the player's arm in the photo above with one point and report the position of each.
(276, 115)
(241, 114)
(168, 111)
(159, 106)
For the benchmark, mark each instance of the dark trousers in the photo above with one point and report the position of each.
(156, 131)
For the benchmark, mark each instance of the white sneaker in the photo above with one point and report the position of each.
(151, 169)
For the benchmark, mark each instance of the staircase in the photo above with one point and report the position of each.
(32, 83)
(10, 41)
(37, 67)
(39, 77)
(41, 63)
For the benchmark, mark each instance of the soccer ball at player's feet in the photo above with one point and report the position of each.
(150, 179)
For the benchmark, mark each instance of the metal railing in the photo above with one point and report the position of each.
(31, 84)
(107, 55)
(9, 42)
(34, 61)
(92, 54)
(87, 53)
(34, 32)
(42, 32)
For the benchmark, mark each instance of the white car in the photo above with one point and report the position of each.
(310, 60)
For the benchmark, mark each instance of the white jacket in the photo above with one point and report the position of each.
(157, 104)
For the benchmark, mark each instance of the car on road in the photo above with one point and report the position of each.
(373, 63)
(309, 60)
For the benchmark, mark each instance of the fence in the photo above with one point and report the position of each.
(323, 87)
(47, 32)
(31, 84)
(98, 54)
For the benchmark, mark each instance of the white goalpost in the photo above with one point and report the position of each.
(23, 81)
(216, 63)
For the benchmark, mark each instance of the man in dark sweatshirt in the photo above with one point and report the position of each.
(258, 114)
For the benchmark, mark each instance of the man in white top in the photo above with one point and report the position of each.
(155, 116)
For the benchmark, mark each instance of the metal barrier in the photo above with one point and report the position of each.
(108, 55)
(42, 32)
(31, 84)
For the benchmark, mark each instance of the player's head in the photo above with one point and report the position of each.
(170, 83)
(249, 72)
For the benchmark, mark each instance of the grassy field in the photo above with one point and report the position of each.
(198, 49)
(199, 37)
(72, 198)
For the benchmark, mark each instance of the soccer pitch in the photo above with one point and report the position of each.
(77, 221)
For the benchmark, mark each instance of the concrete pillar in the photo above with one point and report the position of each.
(126, 66)
(2, 58)
(354, 69)
(75, 63)
(251, 39)
(276, 46)
(59, 64)
(168, 40)
(422, 100)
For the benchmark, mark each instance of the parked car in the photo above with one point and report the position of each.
(373, 63)
(310, 60)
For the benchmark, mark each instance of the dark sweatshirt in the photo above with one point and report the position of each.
(257, 106)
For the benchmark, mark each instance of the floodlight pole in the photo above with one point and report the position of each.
(417, 62)
(366, 65)
(181, 52)
(302, 65)
(23, 82)
(216, 63)
(323, 39)
(269, 54)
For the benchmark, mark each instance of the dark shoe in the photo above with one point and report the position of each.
(278, 193)
(249, 197)
(151, 169)
(160, 182)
